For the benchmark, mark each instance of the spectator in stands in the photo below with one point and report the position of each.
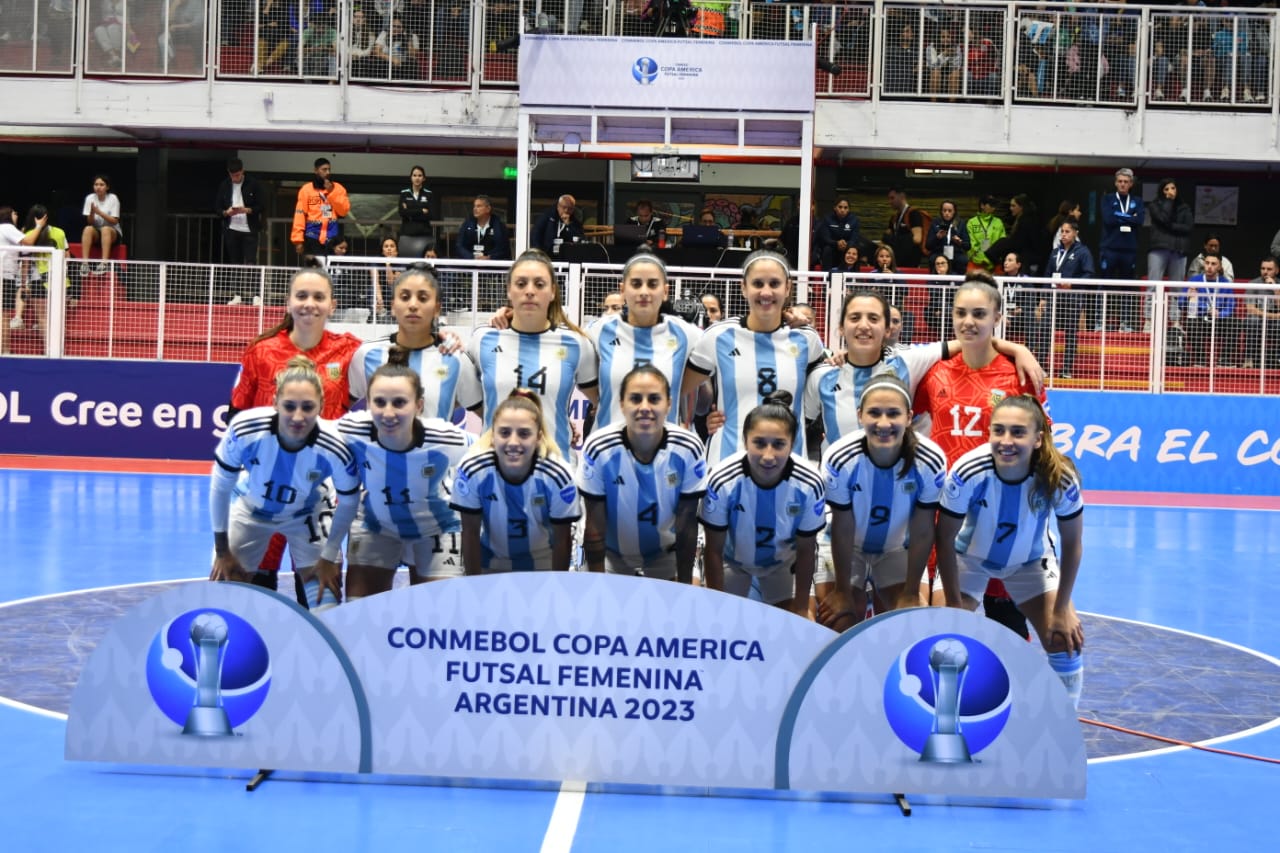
(399, 51)
(1026, 311)
(10, 262)
(277, 40)
(557, 226)
(388, 276)
(185, 28)
(102, 221)
(893, 337)
(353, 287)
(655, 227)
(938, 309)
(894, 289)
(1171, 221)
(982, 65)
(984, 230)
(1212, 246)
(1262, 318)
(943, 61)
(417, 238)
(906, 233)
(902, 63)
(483, 234)
(1026, 236)
(1070, 263)
(1275, 245)
(1208, 311)
(837, 231)
(112, 35)
(319, 44)
(321, 204)
(949, 236)
(1122, 217)
(239, 204)
(362, 39)
(1067, 209)
(711, 19)
(850, 262)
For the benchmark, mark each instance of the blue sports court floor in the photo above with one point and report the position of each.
(1183, 640)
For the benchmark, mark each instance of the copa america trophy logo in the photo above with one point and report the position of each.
(208, 670)
(948, 698)
(645, 70)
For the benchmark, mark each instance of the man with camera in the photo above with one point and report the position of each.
(321, 204)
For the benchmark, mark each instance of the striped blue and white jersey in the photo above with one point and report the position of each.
(640, 499)
(1005, 524)
(406, 493)
(516, 518)
(882, 500)
(448, 381)
(622, 347)
(276, 484)
(831, 393)
(549, 363)
(763, 524)
(750, 365)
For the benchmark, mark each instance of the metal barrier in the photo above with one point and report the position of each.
(1100, 54)
(1191, 340)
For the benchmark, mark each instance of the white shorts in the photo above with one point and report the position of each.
(778, 585)
(249, 537)
(1024, 582)
(431, 557)
(885, 569)
(662, 567)
(497, 565)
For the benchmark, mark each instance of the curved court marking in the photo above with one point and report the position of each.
(572, 790)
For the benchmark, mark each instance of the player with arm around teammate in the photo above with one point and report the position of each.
(995, 523)
(883, 484)
(404, 460)
(267, 478)
(762, 513)
(641, 480)
(516, 495)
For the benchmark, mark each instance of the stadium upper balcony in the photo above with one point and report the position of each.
(986, 78)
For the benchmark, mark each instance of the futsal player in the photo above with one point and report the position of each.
(267, 479)
(404, 460)
(995, 522)
(641, 480)
(763, 510)
(516, 494)
(883, 484)
(755, 355)
(542, 350)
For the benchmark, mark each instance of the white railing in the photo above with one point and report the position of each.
(174, 311)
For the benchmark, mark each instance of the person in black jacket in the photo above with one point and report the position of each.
(1171, 223)
(1068, 265)
(417, 239)
(483, 235)
(557, 226)
(837, 231)
(239, 203)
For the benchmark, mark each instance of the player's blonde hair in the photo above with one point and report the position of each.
(521, 400)
(300, 369)
(1053, 470)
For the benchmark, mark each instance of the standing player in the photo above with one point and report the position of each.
(450, 378)
(995, 524)
(542, 350)
(641, 480)
(883, 483)
(959, 394)
(641, 334)
(754, 356)
(404, 461)
(268, 476)
(301, 332)
(763, 511)
(516, 496)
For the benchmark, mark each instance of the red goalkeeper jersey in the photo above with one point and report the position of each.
(959, 399)
(256, 384)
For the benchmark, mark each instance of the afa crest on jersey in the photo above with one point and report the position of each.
(794, 509)
(561, 353)
(672, 478)
(908, 487)
(314, 476)
(428, 471)
(333, 370)
(996, 396)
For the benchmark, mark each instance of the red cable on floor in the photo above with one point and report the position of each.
(1176, 742)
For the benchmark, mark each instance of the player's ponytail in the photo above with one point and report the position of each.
(300, 369)
(776, 407)
(1053, 470)
(397, 367)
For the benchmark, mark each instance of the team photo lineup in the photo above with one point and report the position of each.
(736, 453)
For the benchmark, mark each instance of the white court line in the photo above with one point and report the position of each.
(564, 818)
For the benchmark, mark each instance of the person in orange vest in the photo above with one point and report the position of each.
(710, 22)
(321, 204)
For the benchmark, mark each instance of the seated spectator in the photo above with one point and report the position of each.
(483, 235)
(319, 45)
(277, 39)
(655, 227)
(837, 231)
(1208, 313)
(364, 63)
(399, 51)
(353, 287)
(902, 63)
(1212, 246)
(943, 61)
(850, 262)
(185, 28)
(557, 227)
(1261, 319)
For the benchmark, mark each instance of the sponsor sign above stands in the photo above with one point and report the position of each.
(660, 73)
(592, 677)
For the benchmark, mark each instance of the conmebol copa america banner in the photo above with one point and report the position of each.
(602, 678)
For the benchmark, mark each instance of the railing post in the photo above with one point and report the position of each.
(160, 310)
